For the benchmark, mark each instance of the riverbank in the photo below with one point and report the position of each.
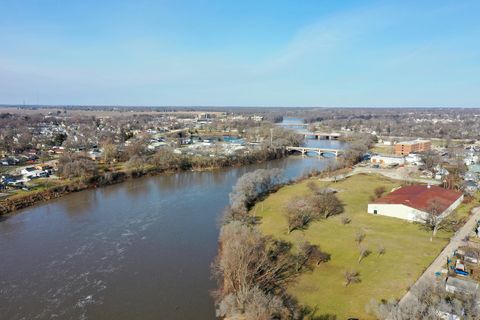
(160, 230)
(117, 174)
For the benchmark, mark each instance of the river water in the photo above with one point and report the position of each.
(137, 250)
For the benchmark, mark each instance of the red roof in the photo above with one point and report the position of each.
(421, 197)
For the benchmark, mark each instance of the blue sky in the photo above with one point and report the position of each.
(240, 53)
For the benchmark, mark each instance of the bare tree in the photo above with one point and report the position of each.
(313, 186)
(381, 250)
(253, 185)
(250, 269)
(431, 160)
(454, 180)
(165, 159)
(325, 204)
(314, 254)
(359, 237)
(253, 304)
(351, 276)
(298, 213)
(427, 301)
(432, 218)
(379, 191)
(364, 252)
(73, 166)
(346, 220)
(136, 163)
(109, 152)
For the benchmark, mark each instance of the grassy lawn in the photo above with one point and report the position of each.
(37, 185)
(408, 248)
(463, 211)
(436, 142)
(383, 149)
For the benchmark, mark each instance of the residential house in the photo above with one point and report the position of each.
(256, 118)
(470, 159)
(475, 168)
(155, 145)
(441, 173)
(461, 286)
(95, 155)
(414, 158)
(31, 173)
(8, 162)
(427, 174)
(470, 186)
(471, 176)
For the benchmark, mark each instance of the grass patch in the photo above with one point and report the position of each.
(463, 211)
(383, 149)
(36, 186)
(408, 248)
(439, 142)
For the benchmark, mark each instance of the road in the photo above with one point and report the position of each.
(456, 241)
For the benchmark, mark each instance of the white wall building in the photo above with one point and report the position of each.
(385, 160)
(413, 158)
(412, 203)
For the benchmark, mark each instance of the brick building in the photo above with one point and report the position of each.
(413, 146)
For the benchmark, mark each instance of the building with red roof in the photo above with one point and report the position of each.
(414, 203)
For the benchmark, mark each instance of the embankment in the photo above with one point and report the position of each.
(21, 201)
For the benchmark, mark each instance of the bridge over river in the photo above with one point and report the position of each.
(319, 151)
(321, 135)
(317, 135)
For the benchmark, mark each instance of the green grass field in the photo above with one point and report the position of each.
(383, 149)
(408, 248)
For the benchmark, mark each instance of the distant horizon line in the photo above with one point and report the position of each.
(9, 105)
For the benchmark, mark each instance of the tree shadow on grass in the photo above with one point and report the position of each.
(311, 314)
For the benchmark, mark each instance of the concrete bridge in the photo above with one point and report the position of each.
(319, 151)
(321, 135)
(293, 124)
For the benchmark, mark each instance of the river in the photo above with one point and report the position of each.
(137, 250)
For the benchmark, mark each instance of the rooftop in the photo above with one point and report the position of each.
(463, 285)
(421, 197)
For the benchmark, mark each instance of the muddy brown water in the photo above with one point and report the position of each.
(137, 250)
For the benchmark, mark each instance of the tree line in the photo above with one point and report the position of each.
(252, 270)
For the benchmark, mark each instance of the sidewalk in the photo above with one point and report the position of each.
(456, 241)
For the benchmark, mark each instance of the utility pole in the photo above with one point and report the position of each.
(271, 136)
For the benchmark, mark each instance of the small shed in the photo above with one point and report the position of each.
(461, 286)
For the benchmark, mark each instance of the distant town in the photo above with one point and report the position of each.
(398, 196)
(240, 160)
